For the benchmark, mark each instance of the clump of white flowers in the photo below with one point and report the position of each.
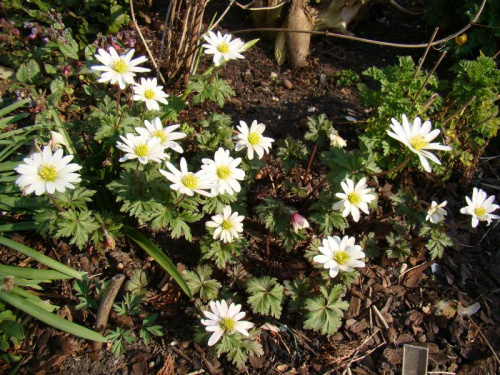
(418, 138)
(187, 182)
(224, 320)
(224, 171)
(222, 47)
(354, 198)
(166, 135)
(436, 213)
(151, 93)
(227, 226)
(480, 207)
(142, 148)
(252, 139)
(340, 255)
(118, 69)
(46, 172)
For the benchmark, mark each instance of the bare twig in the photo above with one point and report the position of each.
(403, 9)
(364, 40)
(486, 340)
(308, 169)
(429, 76)
(151, 57)
(426, 52)
(108, 298)
(380, 316)
(396, 168)
(249, 6)
(458, 111)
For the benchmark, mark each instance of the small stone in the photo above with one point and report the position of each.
(274, 75)
(281, 367)
(311, 109)
(265, 83)
(287, 84)
(322, 78)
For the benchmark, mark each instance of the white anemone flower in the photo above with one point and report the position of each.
(118, 69)
(141, 148)
(354, 198)
(252, 139)
(436, 212)
(222, 47)
(149, 92)
(418, 138)
(167, 136)
(187, 182)
(224, 170)
(46, 172)
(227, 225)
(224, 320)
(336, 140)
(340, 255)
(480, 207)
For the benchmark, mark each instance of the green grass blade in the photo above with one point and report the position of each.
(8, 203)
(157, 255)
(12, 119)
(29, 283)
(49, 262)
(50, 318)
(13, 107)
(32, 273)
(62, 130)
(14, 227)
(34, 299)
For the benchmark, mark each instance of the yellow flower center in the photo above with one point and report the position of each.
(160, 134)
(253, 139)
(223, 172)
(141, 150)
(223, 47)
(341, 257)
(190, 181)
(120, 66)
(48, 173)
(227, 324)
(418, 142)
(149, 94)
(226, 224)
(354, 198)
(480, 211)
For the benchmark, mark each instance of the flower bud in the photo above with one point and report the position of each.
(336, 140)
(109, 242)
(56, 140)
(298, 222)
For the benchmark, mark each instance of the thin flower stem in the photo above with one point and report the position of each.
(393, 169)
(309, 164)
(118, 96)
(179, 200)
(138, 176)
(428, 77)
(426, 52)
(59, 208)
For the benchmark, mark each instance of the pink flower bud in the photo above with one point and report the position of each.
(298, 222)
(109, 242)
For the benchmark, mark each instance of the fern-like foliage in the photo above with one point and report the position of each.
(266, 296)
(326, 310)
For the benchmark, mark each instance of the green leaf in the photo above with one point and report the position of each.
(326, 310)
(199, 281)
(50, 318)
(158, 255)
(69, 51)
(30, 273)
(35, 255)
(28, 72)
(266, 296)
(12, 329)
(78, 225)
